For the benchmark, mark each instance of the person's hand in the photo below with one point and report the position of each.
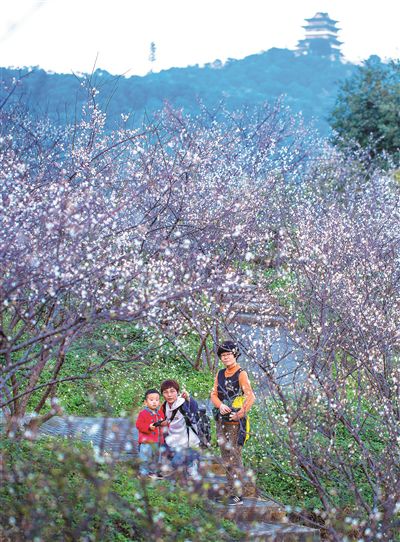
(236, 416)
(185, 395)
(224, 409)
(152, 427)
(164, 423)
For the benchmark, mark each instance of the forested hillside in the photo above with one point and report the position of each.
(309, 84)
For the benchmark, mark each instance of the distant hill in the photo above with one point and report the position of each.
(309, 84)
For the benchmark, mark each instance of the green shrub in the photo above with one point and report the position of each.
(118, 388)
(56, 490)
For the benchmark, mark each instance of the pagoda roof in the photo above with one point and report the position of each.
(321, 29)
(313, 40)
(323, 35)
(320, 16)
(320, 24)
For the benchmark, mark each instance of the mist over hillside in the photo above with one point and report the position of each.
(307, 83)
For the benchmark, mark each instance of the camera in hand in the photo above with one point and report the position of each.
(157, 424)
(227, 417)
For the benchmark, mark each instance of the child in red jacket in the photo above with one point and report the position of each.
(150, 423)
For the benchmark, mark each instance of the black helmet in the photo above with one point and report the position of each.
(228, 346)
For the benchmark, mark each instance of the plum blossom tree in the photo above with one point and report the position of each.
(129, 225)
(233, 173)
(336, 421)
(80, 246)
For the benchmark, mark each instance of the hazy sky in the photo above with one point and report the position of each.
(68, 35)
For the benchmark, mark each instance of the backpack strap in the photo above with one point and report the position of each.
(188, 422)
(174, 413)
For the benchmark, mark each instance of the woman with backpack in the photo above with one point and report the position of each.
(232, 397)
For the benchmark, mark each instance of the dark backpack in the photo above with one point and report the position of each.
(203, 427)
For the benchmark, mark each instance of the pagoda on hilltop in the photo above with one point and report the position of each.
(321, 37)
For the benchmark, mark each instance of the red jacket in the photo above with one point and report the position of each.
(145, 418)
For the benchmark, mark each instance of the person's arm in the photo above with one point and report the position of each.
(216, 401)
(214, 394)
(193, 405)
(185, 394)
(143, 422)
(249, 396)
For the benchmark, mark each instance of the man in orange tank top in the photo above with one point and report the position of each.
(231, 382)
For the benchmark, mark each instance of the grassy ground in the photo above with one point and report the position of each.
(118, 389)
(53, 489)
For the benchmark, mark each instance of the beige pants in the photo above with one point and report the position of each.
(231, 453)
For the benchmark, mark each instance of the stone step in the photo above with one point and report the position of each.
(117, 436)
(252, 509)
(279, 532)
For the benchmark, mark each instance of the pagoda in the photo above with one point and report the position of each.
(321, 37)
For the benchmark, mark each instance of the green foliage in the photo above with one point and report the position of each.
(367, 108)
(278, 474)
(268, 455)
(54, 490)
(279, 282)
(186, 515)
(119, 386)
